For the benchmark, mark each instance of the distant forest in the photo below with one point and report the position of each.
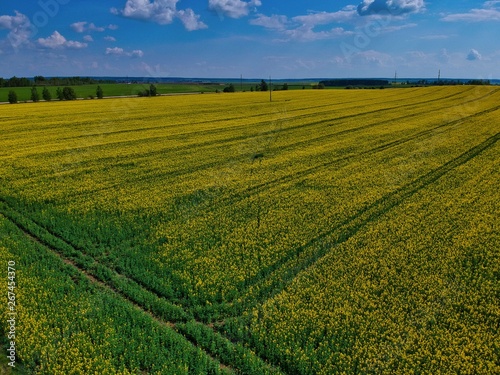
(354, 82)
(451, 82)
(78, 81)
(383, 82)
(53, 81)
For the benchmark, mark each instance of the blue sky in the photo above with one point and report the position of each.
(255, 38)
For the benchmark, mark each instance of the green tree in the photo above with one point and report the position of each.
(12, 97)
(285, 86)
(152, 90)
(69, 93)
(263, 85)
(99, 93)
(59, 94)
(35, 96)
(46, 94)
(229, 88)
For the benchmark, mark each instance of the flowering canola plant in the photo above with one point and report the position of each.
(331, 231)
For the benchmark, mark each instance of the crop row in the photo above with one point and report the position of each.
(414, 292)
(82, 267)
(199, 238)
(214, 208)
(66, 324)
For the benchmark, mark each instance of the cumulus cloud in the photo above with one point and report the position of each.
(394, 7)
(474, 55)
(83, 26)
(117, 51)
(11, 22)
(88, 38)
(56, 40)
(303, 27)
(162, 12)
(136, 53)
(78, 27)
(190, 20)
(19, 26)
(109, 39)
(159, 11)
(233, 8)
(93, 27)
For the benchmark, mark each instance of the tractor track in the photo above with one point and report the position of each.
(32, 231)
(348, 228)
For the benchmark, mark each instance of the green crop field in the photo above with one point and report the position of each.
(325, 232)
(123, 89)
(110, 89)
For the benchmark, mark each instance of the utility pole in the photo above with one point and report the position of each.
(241, 82)
(395, 77)
(439, 76)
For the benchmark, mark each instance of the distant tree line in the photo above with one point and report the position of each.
(66, 93)
(353, 82)
(53, 81)
(451, 82)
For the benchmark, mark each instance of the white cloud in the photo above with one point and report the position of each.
(56, 40)
(109, 39)
(159, 11)
(276, 22)
(88, 38)
(391, 29)
(93, 27)
(394, 7)
(306, 33)
(83, 26)
(190, 20)
(489, 12)
(302, 27)
(117, 51)
(78, 27)
(19, 26)
(325, 18)
(11, 22)
(162, 12)
(233, 8)
(492, 4)
(136, 53)
(75, 45)
(475, 15)
(474, 55)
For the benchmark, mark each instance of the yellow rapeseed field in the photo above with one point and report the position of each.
(330, 231)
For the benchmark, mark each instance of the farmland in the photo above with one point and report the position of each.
(111, 89)
(329, 231)
(133, 89)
